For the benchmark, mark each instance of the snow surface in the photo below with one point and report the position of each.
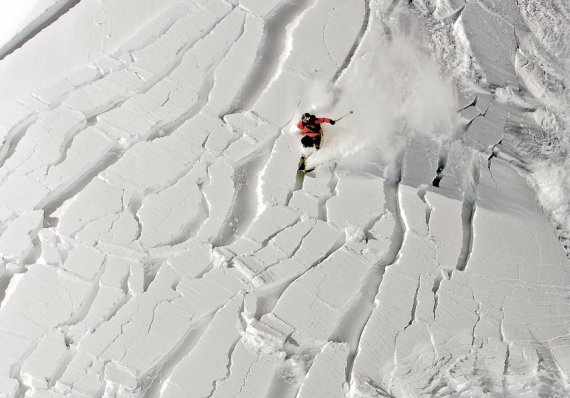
(156, 241)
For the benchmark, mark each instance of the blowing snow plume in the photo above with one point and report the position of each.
(395, 90)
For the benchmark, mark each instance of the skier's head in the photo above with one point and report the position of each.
(307, 117)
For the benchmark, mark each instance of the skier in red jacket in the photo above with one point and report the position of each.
(310, 127)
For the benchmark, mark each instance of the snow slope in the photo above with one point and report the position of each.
(156, 240)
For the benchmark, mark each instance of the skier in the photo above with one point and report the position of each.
(310, 127)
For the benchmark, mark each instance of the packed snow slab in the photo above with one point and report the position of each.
(155, 240)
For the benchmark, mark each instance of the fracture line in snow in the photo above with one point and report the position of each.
(274, 292)
(364, 29)
(49, 16)
(422, 192)
(332, 185)
(68, 142)
(276, 40)
(82, 312)
(16, 368)
(5, 279)
(61, 194)
(414, 307)
(58, 196)
(228, 368)
(169, 71)
(166, 21)
(14, 136)
(468, 210)
(363, 303)
(435, 288)
(187, 343)
(203, 92)
(18, 131)
(441, 162)
(386, 16)
(246, 205)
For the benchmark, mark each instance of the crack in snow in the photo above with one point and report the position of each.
(468, 212)
(277, 39)
(364, 29)
(43, 21)
(13, 138)
(217, 382)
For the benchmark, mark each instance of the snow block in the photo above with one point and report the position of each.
(84, 262)
(40, 368)
(358, 201)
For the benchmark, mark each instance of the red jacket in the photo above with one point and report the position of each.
(313, 128)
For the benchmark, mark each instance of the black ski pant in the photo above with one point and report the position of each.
(311, 141)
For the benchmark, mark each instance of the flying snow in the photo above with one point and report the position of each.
(395, 90)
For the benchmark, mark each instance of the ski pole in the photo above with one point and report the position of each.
(343, 116)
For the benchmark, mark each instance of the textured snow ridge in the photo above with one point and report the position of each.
(155, 240)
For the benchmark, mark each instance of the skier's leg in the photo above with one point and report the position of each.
(317, 141)
(301, 165)
(307, 141)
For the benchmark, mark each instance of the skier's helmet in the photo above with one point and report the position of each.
(306, 118)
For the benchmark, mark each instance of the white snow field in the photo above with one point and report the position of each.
(156, 240)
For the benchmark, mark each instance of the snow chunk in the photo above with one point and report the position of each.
(49, 246)
(39, 369)
(84, 261)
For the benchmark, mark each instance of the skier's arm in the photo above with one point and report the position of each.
(325, 120)
(300, 125)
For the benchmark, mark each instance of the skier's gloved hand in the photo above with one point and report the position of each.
(332, 122)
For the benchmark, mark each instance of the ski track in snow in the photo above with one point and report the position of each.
(155, 240)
